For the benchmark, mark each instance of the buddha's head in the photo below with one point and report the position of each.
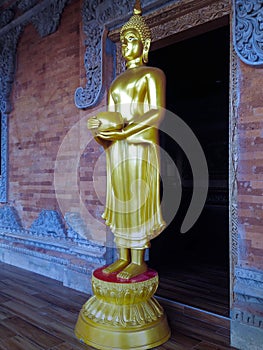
(136, 30)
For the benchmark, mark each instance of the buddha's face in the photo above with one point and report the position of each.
(131, 44)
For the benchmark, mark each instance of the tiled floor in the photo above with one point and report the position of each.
(39, 313)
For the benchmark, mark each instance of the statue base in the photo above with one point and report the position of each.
(123, 314)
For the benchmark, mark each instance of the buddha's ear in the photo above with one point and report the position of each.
(146, 48)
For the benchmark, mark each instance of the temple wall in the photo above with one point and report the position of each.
(47, 130)
(248, 297)
(43, 112)
(250, 179)
(51, 222)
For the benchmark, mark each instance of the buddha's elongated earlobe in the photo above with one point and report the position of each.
(146, 49)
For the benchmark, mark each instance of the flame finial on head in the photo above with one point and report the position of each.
(137, 8)
(137, 22)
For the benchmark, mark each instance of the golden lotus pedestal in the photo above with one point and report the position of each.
(123, 315)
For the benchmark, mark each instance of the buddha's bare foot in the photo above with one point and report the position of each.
(131, 271)
(116, 266)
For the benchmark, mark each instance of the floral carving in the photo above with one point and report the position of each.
(49, 223)
(8, 43)
(25, 5)
(248, 30)
(9, 218)
(97, 14)
(47, 20)
(6, 17)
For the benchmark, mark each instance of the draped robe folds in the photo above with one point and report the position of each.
(132, 207)
(133, 191)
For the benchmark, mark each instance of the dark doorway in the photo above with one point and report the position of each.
(193, 267)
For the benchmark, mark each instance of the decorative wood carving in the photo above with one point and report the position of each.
(181, 16)
(6, 17)
(47, 20)
(186, 21)
(248, 30)
(26, 5)
(96, 14)
(89, 95)
(233, 167)
(61, 237)
(8, 43)
(4, 158)
(9, 218)
(49, 223)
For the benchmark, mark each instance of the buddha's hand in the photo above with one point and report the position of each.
(93, 123)
(112, 135)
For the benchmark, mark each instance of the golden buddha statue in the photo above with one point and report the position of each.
(123, 312)
(128, 131)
